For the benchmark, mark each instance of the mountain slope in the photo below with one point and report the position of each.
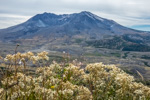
(67, 28)
(48, 23)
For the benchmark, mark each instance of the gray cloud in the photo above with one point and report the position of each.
(128, 13)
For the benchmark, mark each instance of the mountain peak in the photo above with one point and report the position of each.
(85, 12)
(91, 15)
(47, 24)
(44, 15)
(47, 16)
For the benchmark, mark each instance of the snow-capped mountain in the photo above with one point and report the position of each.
(69, 24)
(67, 28)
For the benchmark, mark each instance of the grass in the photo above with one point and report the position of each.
(116, 54)
(146, 63)
(125, 55)
(145, 57)
(66, 80)
(78, 40)
(93, 54)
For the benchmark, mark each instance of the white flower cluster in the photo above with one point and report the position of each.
(111, 83)
(28, 56)
(57, 82)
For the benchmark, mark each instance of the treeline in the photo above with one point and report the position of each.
(124, 43)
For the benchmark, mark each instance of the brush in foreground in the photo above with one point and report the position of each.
(69, 82)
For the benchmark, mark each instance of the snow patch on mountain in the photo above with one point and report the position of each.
(111, 25)
(41, 24)
(99, 18)
(64, 17)
(94, 17)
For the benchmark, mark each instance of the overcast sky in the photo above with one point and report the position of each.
(125, 12)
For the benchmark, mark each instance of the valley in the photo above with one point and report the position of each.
(130, 61)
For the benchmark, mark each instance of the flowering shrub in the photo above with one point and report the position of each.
(67, 82)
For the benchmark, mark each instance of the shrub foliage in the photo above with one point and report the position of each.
(66, 81)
